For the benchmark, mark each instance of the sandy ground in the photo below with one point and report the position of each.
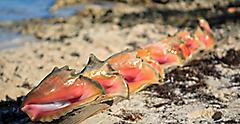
(206, 90)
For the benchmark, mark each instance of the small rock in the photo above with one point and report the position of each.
(133, 44)
(25, 85)
(232, 57)
(161, 1)
(217, 115)
(75, 54)
(40, 67)
(87, 38)
(40, 56)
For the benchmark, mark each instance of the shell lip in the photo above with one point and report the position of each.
(51, 105)
(55, 70)
(35, 108)
(71, 100)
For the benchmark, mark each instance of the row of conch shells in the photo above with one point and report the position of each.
(102, 83)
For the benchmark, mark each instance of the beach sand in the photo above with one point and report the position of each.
(206, 91)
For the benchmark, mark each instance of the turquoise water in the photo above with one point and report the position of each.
(11, 10)
(9, 39)
(17, 10)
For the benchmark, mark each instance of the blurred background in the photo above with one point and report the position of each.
(25, 18)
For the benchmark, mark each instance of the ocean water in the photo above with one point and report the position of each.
(14, 10)
(11, 10)
(9, 39)
(17, 10)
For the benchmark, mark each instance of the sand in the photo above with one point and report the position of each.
(206, 91)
